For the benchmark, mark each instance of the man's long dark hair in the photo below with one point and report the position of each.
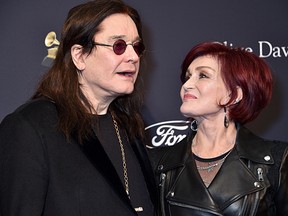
(60, 84)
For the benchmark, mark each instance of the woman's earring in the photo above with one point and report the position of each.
(226, 121)
(193, 125)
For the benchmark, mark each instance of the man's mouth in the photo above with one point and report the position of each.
(128, 74)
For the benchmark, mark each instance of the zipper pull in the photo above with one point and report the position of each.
(162, 179)
(260, 174)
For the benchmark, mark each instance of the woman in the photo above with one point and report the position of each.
(222, 168)
(77, 148)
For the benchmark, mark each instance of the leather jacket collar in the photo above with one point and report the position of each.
(248, 145)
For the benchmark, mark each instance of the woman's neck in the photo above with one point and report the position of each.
(212, 141)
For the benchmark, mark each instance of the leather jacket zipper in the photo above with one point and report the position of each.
(193, 207)
(162, 192)
(260, 174)
(257, 195)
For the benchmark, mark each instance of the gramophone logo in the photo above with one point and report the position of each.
(52, 45)
(167, 133)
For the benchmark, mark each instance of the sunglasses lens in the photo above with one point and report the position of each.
(139, 48)
(119, 47)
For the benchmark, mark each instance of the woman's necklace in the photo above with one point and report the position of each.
(124, 165)
(211, 166)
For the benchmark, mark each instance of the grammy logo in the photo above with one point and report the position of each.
(50, 41)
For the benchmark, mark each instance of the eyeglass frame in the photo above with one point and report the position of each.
(124, 42)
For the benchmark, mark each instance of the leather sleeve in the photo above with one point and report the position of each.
(23, 170)
(281, 198)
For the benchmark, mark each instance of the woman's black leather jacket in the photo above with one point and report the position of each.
(253, 180)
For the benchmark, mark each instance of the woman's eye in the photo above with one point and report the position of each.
(202, 75)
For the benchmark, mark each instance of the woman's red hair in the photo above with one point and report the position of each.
(239, 68)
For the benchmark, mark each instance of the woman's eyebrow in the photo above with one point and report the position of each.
(202, 67)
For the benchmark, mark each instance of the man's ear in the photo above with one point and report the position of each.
(78, 57)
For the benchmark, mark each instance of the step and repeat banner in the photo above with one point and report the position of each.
(29, 38)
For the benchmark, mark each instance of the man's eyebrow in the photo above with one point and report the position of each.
(116, 37)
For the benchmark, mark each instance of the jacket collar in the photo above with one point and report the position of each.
(248, 145)
(251, 147)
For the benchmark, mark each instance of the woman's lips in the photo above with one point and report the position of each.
(188, 96)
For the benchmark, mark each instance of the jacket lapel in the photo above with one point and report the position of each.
(233, 181)
(190, 190)
(141, 153)
(96, 154)
(196, 196)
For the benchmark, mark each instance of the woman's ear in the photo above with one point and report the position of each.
(226, 98)
(239, 95)
(77, 57)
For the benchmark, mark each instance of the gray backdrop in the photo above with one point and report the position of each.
(170, 30)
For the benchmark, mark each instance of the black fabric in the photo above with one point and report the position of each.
(138, 192)
(43, 174)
